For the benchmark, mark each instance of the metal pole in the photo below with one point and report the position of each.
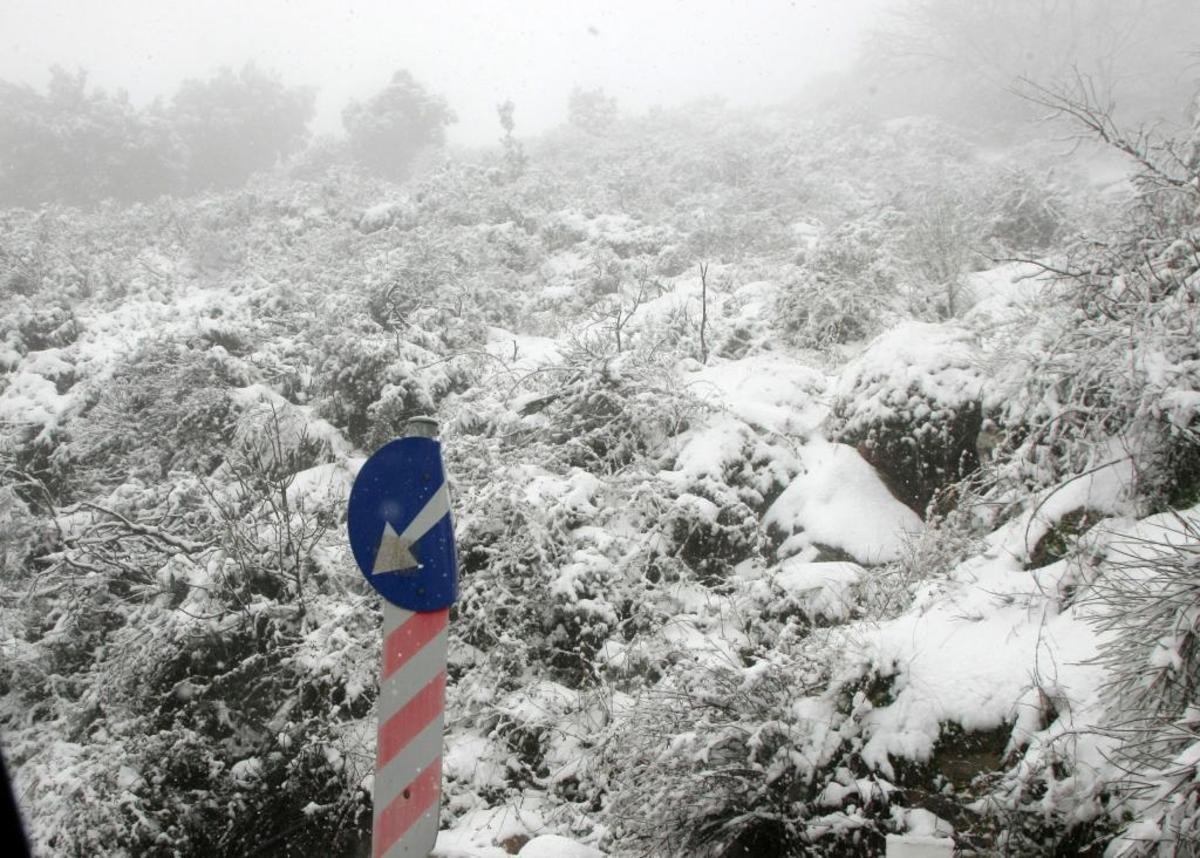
(411, 712)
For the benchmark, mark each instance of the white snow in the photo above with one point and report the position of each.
(768, 390)
(822, 589)
(973, 652)
(838, 500)
(484, 832)
(918, 846)
(522, 351)
(1108, 489)
(936, 363)
(555, 846)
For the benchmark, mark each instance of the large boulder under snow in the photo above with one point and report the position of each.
(910, 404)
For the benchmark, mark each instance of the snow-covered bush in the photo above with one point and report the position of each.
(35, 325)
(1110, 371)
(942, 232)
(209, 657)
(709, 537)
(216, 250)
(746, 757)
(507, 555)
(1030, 214)
(846, 287)
(818, 314)
(350, 376)
(1147, 599)
(612, 412)
(167, 407)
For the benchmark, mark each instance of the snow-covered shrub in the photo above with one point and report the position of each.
(592, 111)
(672, 260)
(541, 583)
(233, 752)
(292, 791)
(848, 282)
(21, 534)
(207, 653)
(167, 407)
(351, 373)
(709, 538)
(455, 193)
(1110, 372)
(215, 250)
(431, 263)
(942, 230)
(1111, 367)
(563, 230)
(508, 551)
(512, 248)
(722, 758)
(398, 401)
(39, 462)
(41, 325)
(609, 413)
(1147, 595)
(911, 404)
(1030, 212)
(819, 314)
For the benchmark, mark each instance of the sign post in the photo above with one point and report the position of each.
(403, 540)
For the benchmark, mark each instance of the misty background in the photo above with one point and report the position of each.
(147, 99)
(475, 54)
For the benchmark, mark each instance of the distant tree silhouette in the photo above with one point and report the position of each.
(388, 131)
(591, 110)
(79, 147)
(237, 123)
(515, 159)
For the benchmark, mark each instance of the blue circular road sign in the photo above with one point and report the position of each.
(400, 528)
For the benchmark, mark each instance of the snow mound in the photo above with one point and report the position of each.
(768, 390)
(840, 502)
(486, 832)
(555, 846)
(820, 589)
(905, 371)
(978, 651)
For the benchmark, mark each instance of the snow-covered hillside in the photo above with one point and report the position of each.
(771, 542)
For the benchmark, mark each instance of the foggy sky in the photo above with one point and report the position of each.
(474, 53)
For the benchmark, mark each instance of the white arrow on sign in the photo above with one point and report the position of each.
(395, 554)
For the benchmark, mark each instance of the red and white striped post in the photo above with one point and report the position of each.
(402, 537)
(408, 761)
